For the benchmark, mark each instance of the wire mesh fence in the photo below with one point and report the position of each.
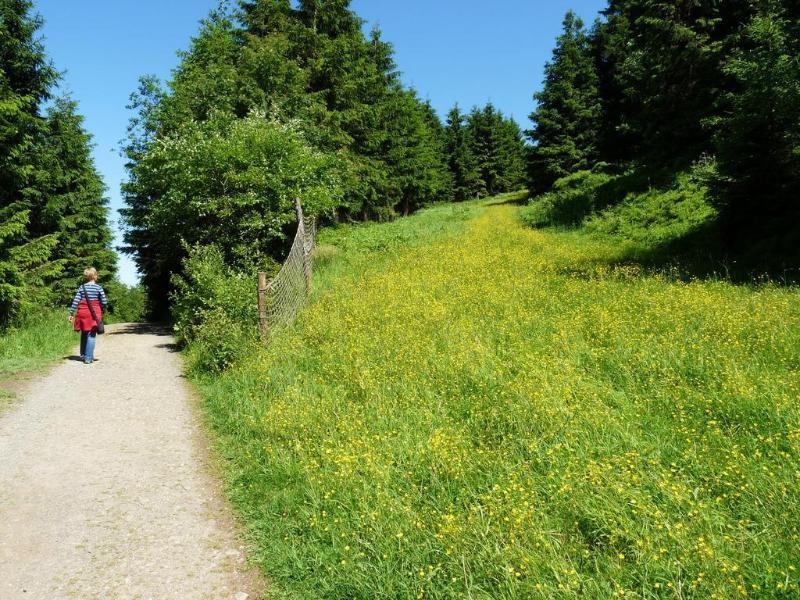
(284, 296)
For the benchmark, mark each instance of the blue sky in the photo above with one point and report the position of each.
(465, 51)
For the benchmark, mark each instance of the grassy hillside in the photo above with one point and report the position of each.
(475, 409)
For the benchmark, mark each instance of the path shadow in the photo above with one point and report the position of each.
(140, 329)
(519, 198)
(170, 347)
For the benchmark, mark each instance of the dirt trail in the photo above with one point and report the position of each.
(105, 490)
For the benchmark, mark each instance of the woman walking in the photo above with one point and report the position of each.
(84, 316)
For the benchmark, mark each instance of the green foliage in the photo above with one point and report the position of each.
(495, 154)
(315, 73)
(52, 210)
(657, 217)
(462, 163)
(25, 81)
(214, 309)
(127, 303)
(659, 65)
(25, 265)
(571, 200)
(566, 120)
(658, 86)
(758, 138)
(226, 181)
(649, 217)
(73, 205)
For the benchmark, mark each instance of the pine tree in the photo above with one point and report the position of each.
(331, 18)
(25, 80)
(757, 139)
(496, 143)
(567, 118)
(461, 162)
(75, 207)
(513, 153)
(24, 264)
(414, 153)
(660, 76)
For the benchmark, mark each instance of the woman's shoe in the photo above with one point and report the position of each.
(87, 362)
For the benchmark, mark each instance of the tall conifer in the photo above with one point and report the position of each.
(25, 80)
(75, 207)
(461, 161)
(567, 118)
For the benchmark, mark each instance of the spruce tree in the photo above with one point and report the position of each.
(25, 80)
(75, 207)
(757, 140)
(25, 264)
(661, 78)
(415, 155)
(567, 118)
(496, 143)
(461, 162)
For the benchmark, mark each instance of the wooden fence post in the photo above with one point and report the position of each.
(301, 228)
(263, 326)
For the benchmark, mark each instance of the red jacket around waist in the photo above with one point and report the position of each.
(83, 317)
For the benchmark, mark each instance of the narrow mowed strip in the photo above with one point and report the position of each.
(500, 412)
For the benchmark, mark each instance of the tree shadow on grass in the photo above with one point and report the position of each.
(702, 255)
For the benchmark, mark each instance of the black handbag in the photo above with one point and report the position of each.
(101, 329)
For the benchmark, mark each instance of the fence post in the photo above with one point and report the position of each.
(263, 326)
(301, 227)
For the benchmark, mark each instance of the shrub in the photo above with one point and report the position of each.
(126, 302)
(657, 216)
(228, 182)
(570, 201)
(214, 309)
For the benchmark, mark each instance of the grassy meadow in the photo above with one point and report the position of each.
(472, 408)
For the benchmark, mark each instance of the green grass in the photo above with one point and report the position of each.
(36, 344)
(474, 409)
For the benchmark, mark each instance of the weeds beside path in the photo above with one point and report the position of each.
(500, 412)
(29, 348)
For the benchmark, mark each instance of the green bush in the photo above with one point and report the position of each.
(126, 302)
(218, 342)
(215, 310)
(657, 216)
(228, 182)
(570, 201)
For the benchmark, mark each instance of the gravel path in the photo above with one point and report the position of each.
(105, 489)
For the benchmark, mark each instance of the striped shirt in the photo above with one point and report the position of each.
(93, 291)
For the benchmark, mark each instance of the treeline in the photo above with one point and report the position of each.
(658, 89)
(485, 153)
(275, 101)
(53, 213)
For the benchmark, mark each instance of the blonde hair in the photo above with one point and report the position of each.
(90, 274)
